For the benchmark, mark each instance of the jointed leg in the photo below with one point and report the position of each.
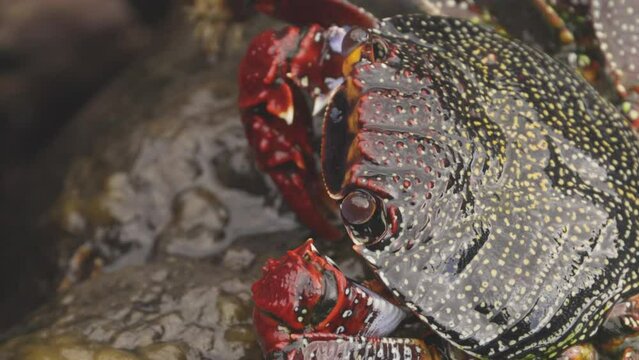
(614, 336)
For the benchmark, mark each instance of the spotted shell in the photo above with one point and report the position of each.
(514, 184)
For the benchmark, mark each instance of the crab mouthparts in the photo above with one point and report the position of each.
(340, 150)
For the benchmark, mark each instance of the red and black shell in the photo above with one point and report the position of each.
(500, 190)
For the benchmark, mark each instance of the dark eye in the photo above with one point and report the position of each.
(380, 49)
(358, 207)
(364, 217)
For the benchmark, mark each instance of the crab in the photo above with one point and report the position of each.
(493, 192)
(288, 79)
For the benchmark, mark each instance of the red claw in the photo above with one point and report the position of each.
(285, 79)
(303, 298)
(290, 288)
(281, 76)
(295, 278)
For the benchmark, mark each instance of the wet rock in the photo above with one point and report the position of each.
(198, 223)
(168, 199)
(134, 177)
(173, 309)
(154, 184)
(238, 259)
(235, 166)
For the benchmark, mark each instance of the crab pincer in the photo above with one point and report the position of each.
(285, 81)
(306, 308)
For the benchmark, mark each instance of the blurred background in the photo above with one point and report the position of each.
(55, 55)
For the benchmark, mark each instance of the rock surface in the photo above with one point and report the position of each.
(179, 308)
(137, 175)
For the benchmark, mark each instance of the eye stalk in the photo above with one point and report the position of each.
(378, 49)
(353, 39)
(360, 44)
(364, 217)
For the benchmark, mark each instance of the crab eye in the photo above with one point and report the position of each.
(364, 217)
(358, 207)
(379, 49)
(354, 38)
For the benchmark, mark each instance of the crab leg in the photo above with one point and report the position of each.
(292, 171)
(331, 347)
(621, 324)
(323, 12)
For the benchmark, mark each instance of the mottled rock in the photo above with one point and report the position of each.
(173, 309)
(143, 171)
(73, 347)
(238, 259)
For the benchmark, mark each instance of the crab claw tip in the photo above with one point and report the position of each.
(308, 246)
(287, 115)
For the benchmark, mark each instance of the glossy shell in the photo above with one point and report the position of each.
(512, 182)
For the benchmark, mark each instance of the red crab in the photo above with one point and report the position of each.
(304, 298)
(306, 308)
(492, 191)
(288, 76)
